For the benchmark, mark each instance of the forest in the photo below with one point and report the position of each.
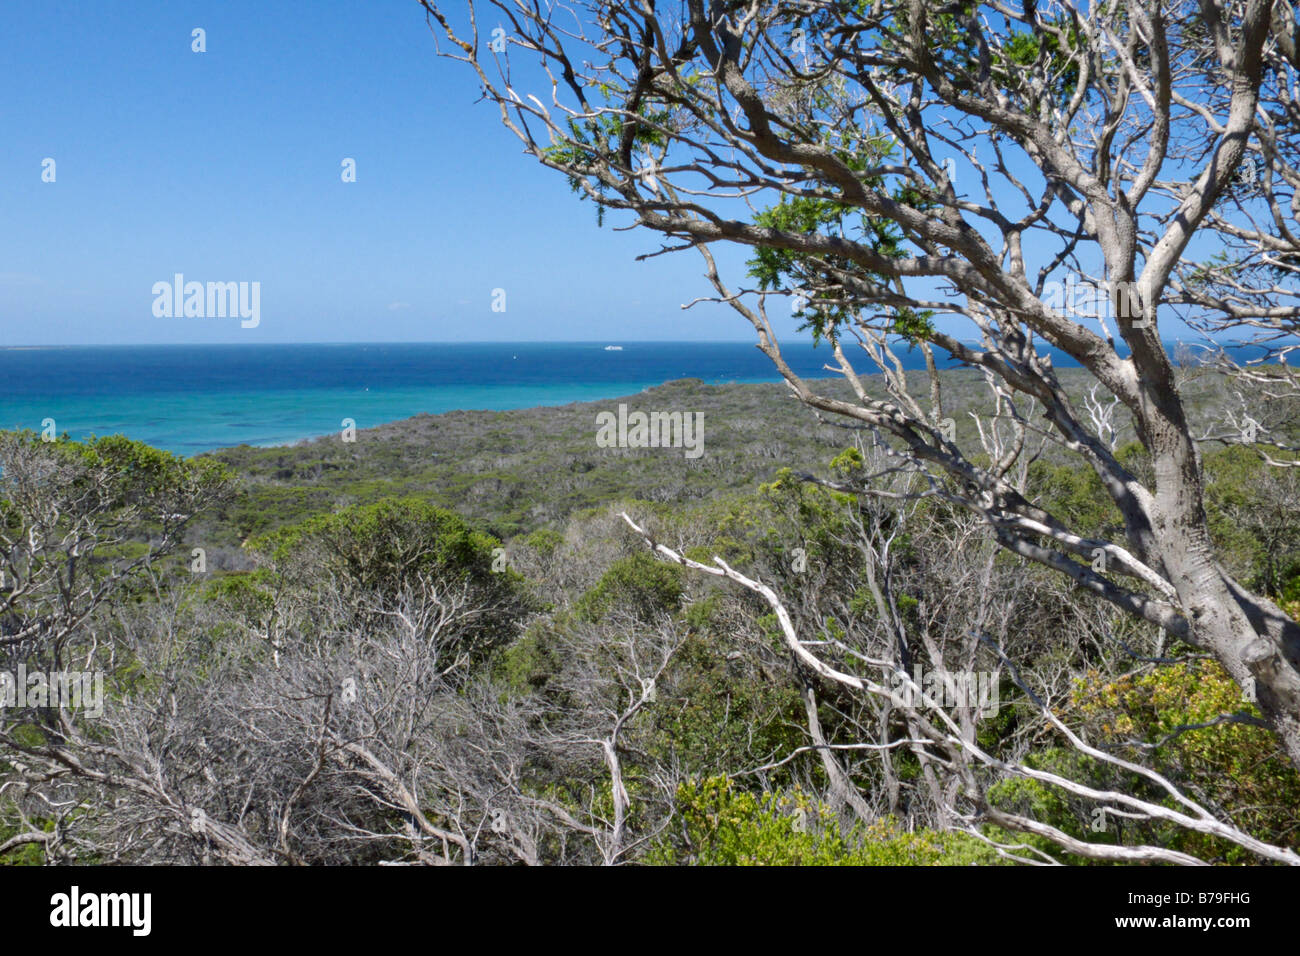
(1015, 583)
(443, 643)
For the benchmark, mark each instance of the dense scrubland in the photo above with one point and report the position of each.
(441, 643)
(519, 471)
(986, 616)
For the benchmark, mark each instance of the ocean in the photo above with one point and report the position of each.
(192, 399)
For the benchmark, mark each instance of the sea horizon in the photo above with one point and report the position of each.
(190, 398)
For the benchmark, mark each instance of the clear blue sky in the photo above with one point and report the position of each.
(225, 166)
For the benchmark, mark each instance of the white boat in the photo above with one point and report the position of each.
(613, 348)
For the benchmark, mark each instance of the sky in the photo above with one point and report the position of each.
(226, 166)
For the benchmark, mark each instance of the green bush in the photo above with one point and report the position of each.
(727, 826)
(380, 547)
(641, 583)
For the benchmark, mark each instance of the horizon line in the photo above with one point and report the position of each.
(114, 345)
(501, 342)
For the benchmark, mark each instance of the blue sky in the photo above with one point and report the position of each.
(225, 166)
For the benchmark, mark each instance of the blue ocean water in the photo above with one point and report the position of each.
(191, 399)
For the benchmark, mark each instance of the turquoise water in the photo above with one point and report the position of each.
(188, 423)
(191, 399)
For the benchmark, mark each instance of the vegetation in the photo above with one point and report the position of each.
(991, 611)
(385, 678)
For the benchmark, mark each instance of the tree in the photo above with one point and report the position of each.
(82, 521)
(941, 731)
(85, 528)
(922, 174)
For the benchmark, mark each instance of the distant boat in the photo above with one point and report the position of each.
(613, 348)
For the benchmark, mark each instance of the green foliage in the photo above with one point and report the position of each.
(372, 558)
(727, 826)
(544, 540)
(112, 474)
(380, 547)
(104, 510)
(777, 267)
(848, 462)
(801, 214)
(715, 711)
(510, 475)
(31, 854)
(1023, 49)
(1237, 766)
(607, 134)
(639, 583)
(792, 513)
(262, 508)
(1254, 515)
(1170, 717)
(528, 663)
(913, 326)
(1074, 494)
(249, 598)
